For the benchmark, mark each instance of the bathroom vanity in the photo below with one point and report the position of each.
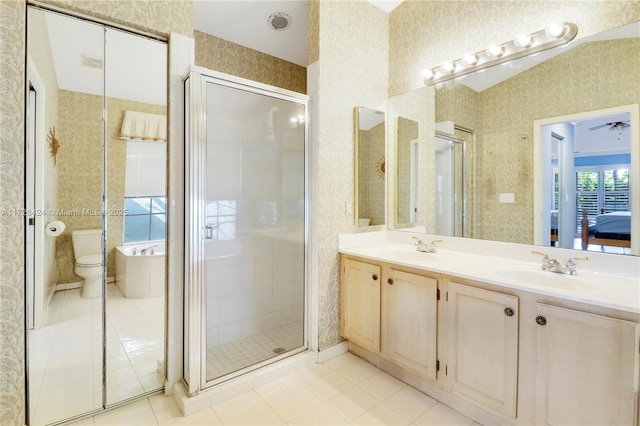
(495, 337)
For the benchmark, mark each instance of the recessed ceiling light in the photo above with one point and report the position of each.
(279, 21)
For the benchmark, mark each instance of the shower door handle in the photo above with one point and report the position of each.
(208, 232)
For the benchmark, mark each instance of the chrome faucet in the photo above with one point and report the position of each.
(148, 250)
(552, 265)
(422, 246)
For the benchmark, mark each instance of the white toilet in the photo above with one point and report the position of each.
(87, 249)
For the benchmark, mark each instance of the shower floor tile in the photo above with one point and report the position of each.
(236, 355)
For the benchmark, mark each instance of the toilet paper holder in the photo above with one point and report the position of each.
(54, 228)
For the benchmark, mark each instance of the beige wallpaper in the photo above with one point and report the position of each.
(352, 71)
(156, 16)
(371, 179)
(227, 57)
(314, 31)
(425, 33)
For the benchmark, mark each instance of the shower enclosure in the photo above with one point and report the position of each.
(245, 226)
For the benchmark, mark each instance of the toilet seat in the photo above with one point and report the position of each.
(89, 260)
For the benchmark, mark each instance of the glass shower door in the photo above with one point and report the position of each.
(254, 228)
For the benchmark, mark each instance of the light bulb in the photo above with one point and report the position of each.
(495, 51)
(555, 30)
(470, 59)
(523, 40)
(428, 74)
(448, 67)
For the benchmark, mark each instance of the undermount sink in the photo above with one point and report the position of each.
(550, 279)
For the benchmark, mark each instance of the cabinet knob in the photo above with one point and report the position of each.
(390, 281)
(508, 312)
(540, 320)
(375, 277)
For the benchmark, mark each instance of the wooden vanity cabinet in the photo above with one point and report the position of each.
(360, 303)
(409, 321)
(482, 346)
(587, 368)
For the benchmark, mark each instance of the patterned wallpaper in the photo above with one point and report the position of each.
(314, 31)
(154, 16)
(426, 33)
(371, 189)
(352, 71)
(224, 56)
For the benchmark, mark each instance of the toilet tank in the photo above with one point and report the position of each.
(86, 241)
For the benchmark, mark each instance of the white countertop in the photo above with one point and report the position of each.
(595, 288)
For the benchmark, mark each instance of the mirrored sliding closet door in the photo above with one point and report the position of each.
(95, 323)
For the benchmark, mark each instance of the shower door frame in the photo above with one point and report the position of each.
(463, 176)
(194, 309)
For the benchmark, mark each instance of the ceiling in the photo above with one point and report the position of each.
(136, 66)
(245, 22)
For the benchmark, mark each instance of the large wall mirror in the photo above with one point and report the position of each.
(370, 167)
(96, 155)
(591, 84)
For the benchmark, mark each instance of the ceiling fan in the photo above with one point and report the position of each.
(614, 126)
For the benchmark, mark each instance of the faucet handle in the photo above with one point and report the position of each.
(437, 241)
(540, 253)
(571, 265)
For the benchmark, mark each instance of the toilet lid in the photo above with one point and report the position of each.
(90, 260)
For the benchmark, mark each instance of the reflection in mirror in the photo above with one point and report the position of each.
(64, 248)
(370, 164)
(450, 185)
(407, 179)
(86, 183)
(501, 104)
(586, 163)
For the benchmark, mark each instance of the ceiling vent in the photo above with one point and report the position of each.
(91, 61)
(279, 21)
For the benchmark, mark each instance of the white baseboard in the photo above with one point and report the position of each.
(239, 385)
(333, 352)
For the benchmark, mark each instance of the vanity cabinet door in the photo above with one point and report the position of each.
(409, 321)
(360, 303)
(482, 344)
(587, 368)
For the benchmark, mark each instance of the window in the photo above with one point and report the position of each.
(146, 218)
(600, 190)
(221, 216)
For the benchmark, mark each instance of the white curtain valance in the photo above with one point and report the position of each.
(144, 126)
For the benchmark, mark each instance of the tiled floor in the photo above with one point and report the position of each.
(65, 355)
(344, 391)
(235, 355)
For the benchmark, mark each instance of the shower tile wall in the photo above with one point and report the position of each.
(254, 268)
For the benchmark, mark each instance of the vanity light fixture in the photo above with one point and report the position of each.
(552, 36)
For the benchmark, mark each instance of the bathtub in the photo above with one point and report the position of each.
(140, 274)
